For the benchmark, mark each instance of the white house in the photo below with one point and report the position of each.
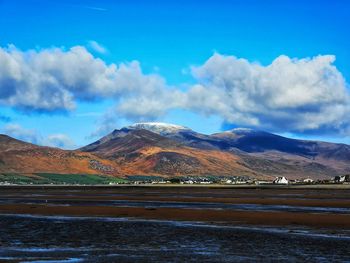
(189, 182)
(280, 180)
(308, 180)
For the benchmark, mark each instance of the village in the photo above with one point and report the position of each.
(189, 180)
(282, 180)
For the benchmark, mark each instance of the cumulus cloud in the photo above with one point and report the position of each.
(53, 79)
(289, 95)
(152, 105)
(15, 130)
(146, 106)
(59, 140)
(294, 95)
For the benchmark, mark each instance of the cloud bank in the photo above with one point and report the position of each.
(289, 95)
(53, 80)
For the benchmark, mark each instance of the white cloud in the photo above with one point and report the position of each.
(288, 95)
(152, 105)
(97, 47)
(146, 106)
(62, 141)
(53, 79)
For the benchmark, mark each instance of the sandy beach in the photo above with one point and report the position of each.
(321, 208)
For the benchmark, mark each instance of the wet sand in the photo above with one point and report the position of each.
(226, 215)
(205, 215)
(257, 206)
(41, 239)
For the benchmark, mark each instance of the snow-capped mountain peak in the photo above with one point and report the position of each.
(158, 127)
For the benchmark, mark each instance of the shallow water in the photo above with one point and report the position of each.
(86, 239)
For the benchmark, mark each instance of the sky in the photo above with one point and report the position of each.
(72, 71)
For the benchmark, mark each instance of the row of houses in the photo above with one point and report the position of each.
(282, 180)
(337, 179)
(342, 179)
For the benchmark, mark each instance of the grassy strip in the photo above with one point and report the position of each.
(52, 178)
(14, 178)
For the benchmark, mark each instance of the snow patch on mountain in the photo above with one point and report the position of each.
(242, 130)
(158, 127)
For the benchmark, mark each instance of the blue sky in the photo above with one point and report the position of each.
(167, 38)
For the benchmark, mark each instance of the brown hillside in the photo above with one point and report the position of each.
(21, 157)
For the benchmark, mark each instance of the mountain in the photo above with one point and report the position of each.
(247, 141)
(172, 150)
(20, 157)
(242, 140)
(143, 152)
(323, 156)
(253, 141)
(183, 134)
(262, 152)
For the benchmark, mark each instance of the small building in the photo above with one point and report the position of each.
(280, 180)
(189, 182)
(308, 181)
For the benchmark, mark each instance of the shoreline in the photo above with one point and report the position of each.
(238, 186)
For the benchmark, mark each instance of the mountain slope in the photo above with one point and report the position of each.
(168, 150)
(141, 151)
(259, 151)
(21, 157)
(245, 141)
(322, 157)
(252, 141)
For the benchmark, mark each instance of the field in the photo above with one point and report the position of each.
(52, 178)
(161, 224)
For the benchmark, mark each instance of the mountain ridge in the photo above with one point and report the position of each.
(262, 152)
(174, 150)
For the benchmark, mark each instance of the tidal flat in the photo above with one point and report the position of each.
(173, 224)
